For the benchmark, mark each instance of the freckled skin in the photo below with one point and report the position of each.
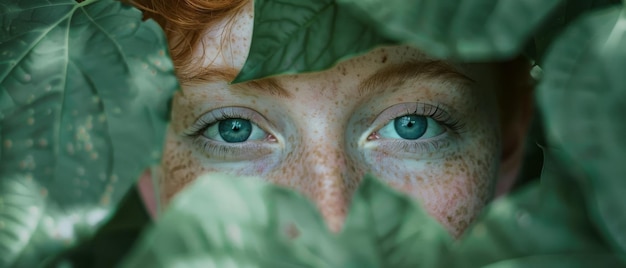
(321, 145)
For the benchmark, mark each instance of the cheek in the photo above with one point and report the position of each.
(452, 189)
(179, 167)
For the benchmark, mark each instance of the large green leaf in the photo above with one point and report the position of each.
(224, 220)
(459, 29)
(583, 96)
(294, 36)
(83, 109)
(302, 36)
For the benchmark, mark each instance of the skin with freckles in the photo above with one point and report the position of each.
(319, 133)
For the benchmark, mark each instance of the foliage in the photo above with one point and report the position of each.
(268, 226)
(83, 102)
(583, 95)
(297, 36)
(301, 36)
(49, 62)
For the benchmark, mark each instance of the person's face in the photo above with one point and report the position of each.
(427, 128)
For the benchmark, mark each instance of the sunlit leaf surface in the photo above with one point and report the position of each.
(83, 108)
(583, 96)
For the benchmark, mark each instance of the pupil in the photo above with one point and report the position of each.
(235, 129)
(410, 127)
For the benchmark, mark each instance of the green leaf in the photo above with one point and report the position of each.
(399, 232)
(546, 219)
(223, 220)
(292, 36)
(564, 260)
(583, 96)
(84, 90)
(560, 17)
(463, 30)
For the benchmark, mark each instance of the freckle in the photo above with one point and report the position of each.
(8, 144)
(43, 142)
(94, 156)
(29, 143)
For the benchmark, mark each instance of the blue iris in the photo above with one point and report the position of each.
(235, 129)
(410, 127)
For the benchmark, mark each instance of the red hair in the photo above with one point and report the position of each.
(184, 22)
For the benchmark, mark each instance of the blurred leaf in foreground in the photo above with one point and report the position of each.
(583, 97)
(83, 109)
(463, 30)
(226, 221)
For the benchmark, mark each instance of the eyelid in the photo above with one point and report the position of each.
(217, 114)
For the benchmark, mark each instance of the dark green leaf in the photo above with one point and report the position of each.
(293, 36)
(464, 30)
(83, 109)
(583, 95)
(562, 16)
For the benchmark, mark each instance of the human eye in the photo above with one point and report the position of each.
(411, 127)
(415, 127)
(234, 130)
(231, 133)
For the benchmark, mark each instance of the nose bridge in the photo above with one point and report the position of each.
(326, 173)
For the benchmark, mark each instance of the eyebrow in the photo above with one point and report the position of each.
(266, 85)
(395, 76)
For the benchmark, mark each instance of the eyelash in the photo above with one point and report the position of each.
(435, 112)
(224, 150)
(203, 122)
